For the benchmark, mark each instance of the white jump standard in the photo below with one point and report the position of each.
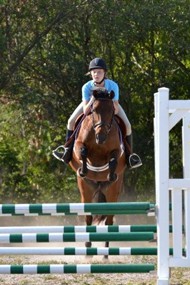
(167, 114)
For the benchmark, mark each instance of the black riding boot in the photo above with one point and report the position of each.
(65, 153)
(133, 160)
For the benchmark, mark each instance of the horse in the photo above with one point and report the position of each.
(98, 156)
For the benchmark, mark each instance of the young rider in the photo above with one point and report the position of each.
(97, 69)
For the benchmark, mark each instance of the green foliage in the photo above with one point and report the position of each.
(45, 50)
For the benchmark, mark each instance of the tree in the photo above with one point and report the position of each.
(45, 50)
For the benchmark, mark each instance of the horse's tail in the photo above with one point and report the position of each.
(99, 197)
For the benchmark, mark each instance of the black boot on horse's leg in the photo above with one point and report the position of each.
(64, 153)
(112, 176)
(133, 160)
(82, 171)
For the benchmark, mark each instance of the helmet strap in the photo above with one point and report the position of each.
(100, 81)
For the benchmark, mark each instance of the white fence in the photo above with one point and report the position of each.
(167, 114)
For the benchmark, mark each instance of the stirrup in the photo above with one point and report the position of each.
(134, 161)
(65, 155)
(59, 154)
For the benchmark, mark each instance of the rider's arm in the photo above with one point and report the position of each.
(86, 97)
(111, 85)
(116, 106)
(87, 104)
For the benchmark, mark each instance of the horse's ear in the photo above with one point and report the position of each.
(111, 94)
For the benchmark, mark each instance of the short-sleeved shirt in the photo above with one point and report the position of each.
(108, 84)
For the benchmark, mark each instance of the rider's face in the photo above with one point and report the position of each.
(97, 74)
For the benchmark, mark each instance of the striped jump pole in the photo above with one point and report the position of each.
(76, 209)
(113, 233)
(79, 229)
(81, 251)
(78, 268)
(78, 251)
(75, 237)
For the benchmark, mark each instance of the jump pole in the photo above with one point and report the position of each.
(78, 268)
(76, 233)
(75, 237)
(78, 251)
(79, 229)
(62, 209)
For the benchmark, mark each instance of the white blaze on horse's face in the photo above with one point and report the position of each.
(102, 118)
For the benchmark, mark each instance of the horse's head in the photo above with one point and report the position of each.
(102, 114)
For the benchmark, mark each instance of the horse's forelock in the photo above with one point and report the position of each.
(103, 94)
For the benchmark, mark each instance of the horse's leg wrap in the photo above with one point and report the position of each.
(83, 170)
(112, 176)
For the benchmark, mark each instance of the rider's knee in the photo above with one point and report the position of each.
(128, 129)
(71, 123)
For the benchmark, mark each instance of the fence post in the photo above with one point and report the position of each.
(186, 174)
(161, 124)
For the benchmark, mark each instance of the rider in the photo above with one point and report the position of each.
(97, 70)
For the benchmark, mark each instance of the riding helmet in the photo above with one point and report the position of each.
(97, 63)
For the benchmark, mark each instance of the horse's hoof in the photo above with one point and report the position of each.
(88, 244)
(113, 177)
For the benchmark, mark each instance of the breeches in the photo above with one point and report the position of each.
(79, 110)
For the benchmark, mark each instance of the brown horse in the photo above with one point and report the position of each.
(98, 155)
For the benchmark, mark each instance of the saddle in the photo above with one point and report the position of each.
(78, 123)
(121, 126)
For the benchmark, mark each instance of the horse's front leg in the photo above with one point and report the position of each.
(112, 176)
(109, 222)
(112, 195)
(88, 223)
(83, 170)
(86, 197)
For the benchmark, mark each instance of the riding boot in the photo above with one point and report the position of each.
(64, 153)
(133, 160)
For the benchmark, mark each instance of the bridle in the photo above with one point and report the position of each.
(102, 124)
